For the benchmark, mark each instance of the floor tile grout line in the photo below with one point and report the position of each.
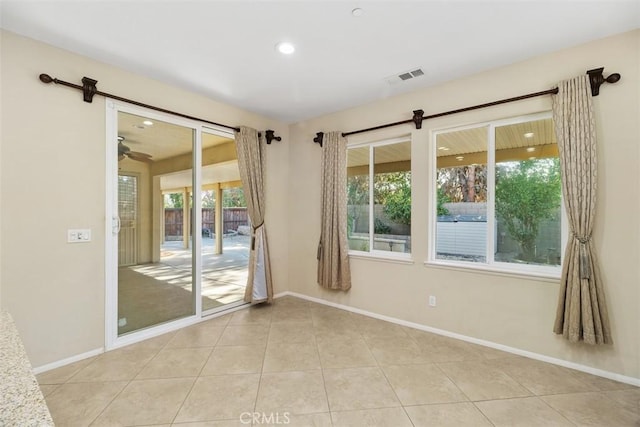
(264, 357)
(452, 381)
(129, 382)
(110, 402)
(65, 381)
(514, 379)
(324, 382)
(486, 417)
(84, 367)
(195, 380)
(193, 384)
(384, 373)
(554, 409)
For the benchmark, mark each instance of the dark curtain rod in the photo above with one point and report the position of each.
(89, 89)
(596, 79)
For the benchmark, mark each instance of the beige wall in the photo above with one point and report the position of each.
(512, 311)
(53, 179)
(1, 120)
(52, 161)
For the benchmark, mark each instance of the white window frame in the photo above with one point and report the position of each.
(402, 257)
(489, 265)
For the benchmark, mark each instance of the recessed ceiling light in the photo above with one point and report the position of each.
(285, 48)
(357, 12)
(443, 148)
(148, 123)
(138, 126)
(459, 158)
(528, 135)
(531, 149)
(532, 158)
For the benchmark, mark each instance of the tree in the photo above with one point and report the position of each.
(231, 198)
(173, 200)
(527, 192)
(208, 199)
(442, 198)
(357, 195)
(466, 183)
(393, 190)
(234, 198)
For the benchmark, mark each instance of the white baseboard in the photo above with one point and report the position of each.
(129, 340)
(560, 362)
(67, 361)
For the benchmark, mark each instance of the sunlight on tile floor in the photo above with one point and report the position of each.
(303, 364)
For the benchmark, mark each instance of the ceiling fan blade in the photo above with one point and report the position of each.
(138, 153)
(134, 156)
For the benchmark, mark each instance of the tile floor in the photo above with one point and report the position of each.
(303, 364)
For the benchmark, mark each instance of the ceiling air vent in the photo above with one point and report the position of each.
(404, 76)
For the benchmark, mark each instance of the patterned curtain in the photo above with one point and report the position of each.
(251, 162)
(582, 310)
(333, 249)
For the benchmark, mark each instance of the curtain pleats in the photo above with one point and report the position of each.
(582, 310)
(333, 248)
(251, 163)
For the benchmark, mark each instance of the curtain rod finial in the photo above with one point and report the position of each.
(596, 79)
(46, 78)
(613, 78)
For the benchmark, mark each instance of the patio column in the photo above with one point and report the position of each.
(219, 229)
(158, 220)
(186, 218)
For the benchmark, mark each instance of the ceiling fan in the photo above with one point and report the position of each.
(124, 151)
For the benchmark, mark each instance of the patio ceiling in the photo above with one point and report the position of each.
(165, 141)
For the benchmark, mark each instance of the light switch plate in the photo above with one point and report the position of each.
(79, 235)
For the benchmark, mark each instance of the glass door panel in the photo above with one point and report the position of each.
(225, 225)
(155, 257)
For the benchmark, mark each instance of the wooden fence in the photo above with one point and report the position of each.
(231, 219)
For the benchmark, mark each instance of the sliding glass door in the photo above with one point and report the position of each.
(155, 276)
(178, 243)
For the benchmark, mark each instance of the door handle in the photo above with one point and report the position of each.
(115, 225)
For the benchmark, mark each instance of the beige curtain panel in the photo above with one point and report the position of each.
(251, 162)
(582, 310)
(333, 249)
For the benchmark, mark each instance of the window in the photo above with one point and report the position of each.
(379, 197)
(498, 196)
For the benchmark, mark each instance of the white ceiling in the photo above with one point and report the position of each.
(225, 49)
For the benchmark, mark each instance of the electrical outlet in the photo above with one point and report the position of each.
(432, 300)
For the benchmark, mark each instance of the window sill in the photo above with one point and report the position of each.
(541, 276)
(377, 256)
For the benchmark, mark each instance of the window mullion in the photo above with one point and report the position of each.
(491, 180)
(520, 151)
(371, 199)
